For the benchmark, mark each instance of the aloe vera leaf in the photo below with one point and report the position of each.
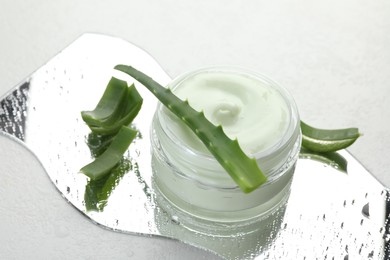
(102, 165)
(131, 106)
(109, 106)
(242, 169)
(325, 140)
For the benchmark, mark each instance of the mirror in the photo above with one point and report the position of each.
(336, 208)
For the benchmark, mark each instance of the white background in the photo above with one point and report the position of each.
(333, 56)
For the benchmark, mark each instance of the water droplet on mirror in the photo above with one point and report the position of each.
(366, 210)
(175, 220)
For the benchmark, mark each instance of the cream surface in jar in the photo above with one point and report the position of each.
(249, 110)
(253, 109)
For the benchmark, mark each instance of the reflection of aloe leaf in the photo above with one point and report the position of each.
(142, 181)
(332, 159)
(98, 143)
(98, 191)
(114, 178)
(92, 189)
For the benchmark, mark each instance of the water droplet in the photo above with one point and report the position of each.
(371, 254)
(175, 220)
(361, 248)
(366, 210)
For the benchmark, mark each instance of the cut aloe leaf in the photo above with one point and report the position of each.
(102, 165)
(109, 107)
(130, 108)
(325, 140)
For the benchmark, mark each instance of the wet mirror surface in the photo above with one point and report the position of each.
(336, 209)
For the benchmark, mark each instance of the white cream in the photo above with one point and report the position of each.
(248, 109)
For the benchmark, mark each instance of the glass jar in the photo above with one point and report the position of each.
(190, 179)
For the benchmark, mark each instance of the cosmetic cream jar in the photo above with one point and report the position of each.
(252, 108)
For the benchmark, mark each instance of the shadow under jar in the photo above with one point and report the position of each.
(252, 108)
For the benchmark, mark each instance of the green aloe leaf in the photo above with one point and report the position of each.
(325, 140)
(102, 165)
(109, 107)
(243, 170)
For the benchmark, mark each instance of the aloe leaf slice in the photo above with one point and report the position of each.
(109, 106)
(325, 140)
(131, 106)
(102, 165)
